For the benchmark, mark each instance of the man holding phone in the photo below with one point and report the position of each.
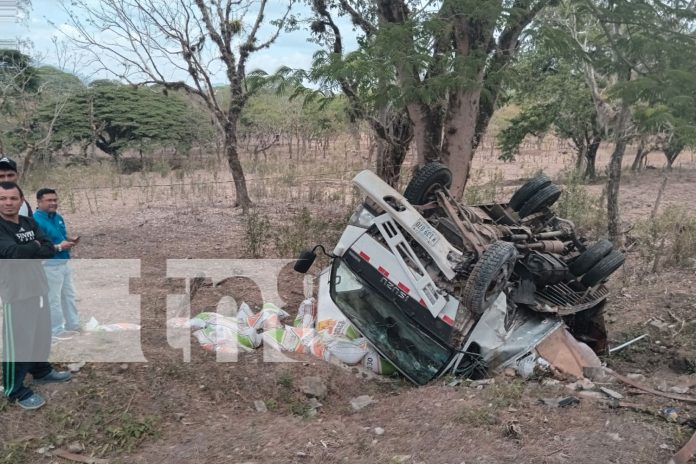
(65, 322)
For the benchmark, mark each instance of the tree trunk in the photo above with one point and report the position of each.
(581, 154)
(672, 151)
(591, 158)
(390, 157)
(614, 182)
(640, 154)
(458, 143)
(232, 156)
(28, 159)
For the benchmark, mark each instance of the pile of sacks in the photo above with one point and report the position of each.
(330, 340)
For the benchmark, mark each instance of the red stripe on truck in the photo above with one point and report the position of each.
(383, 271)
(364, 256)
(448, 319)
(403, 287)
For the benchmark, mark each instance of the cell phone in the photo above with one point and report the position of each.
(76, 239)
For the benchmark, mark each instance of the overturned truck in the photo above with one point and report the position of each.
(439, 287)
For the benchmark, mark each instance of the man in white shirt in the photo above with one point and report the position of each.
(8, 173)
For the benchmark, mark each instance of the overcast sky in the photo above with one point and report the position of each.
(47, 16)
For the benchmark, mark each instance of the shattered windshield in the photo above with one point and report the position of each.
(395, 336)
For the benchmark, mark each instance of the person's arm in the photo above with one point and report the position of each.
(46, 247)
(9, 249)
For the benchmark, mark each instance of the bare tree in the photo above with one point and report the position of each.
(181, 45)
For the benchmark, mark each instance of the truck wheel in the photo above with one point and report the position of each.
(528, 190)
(430, 177)
(544, 197)
(591, 256)
(604, 268)
(489, 277)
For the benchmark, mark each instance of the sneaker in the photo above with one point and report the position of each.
(65, 335)
(54, 376)
(35, 401)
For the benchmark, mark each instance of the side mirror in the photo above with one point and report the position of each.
(305, 261)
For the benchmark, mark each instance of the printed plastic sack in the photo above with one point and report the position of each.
(306, 313)
(295, 339)
(338, 328)
(213, 338)
(246, 317)
(348, 351)
(377, 364)
(269, 317)
(317, 347)
(203, 319)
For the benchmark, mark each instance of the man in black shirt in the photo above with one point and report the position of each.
(24, 289)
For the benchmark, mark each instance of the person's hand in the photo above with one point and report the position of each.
(66, 244)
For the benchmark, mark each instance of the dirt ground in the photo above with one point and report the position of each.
(169, 411)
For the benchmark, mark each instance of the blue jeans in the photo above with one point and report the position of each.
(61, 298)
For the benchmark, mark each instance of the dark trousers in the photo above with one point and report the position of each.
(26, 344)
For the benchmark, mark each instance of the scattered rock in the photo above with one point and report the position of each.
(455, 382)
(123, 367)
(680, 390)
(592, 394)
(314, 403)
(379, 431)
(615, 436)
(582, 384)
(549, 382)
(76, 447)
(361, 402)
(45, 449)
(510, 372)
(561, 402)
(400, 458)
(179, 416)
(637, 377)
(611, 393)
(481, 383)
(260, 406)
(662, 386)
(313, 386)
(596, 374)
(75, 367)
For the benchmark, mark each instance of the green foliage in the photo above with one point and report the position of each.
(577, 204)
(257, 228)
(279, 113)
(17, 73)
(117, 117)
(553, 94)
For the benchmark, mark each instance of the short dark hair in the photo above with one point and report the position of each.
(10, 186)
(44, 191)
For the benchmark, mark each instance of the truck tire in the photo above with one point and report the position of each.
(528, 190)
(603, 269)
(421, 189)
(591, 256)
(489, 277)
(543, 198)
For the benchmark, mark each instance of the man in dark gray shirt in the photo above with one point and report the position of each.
(24, 289)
